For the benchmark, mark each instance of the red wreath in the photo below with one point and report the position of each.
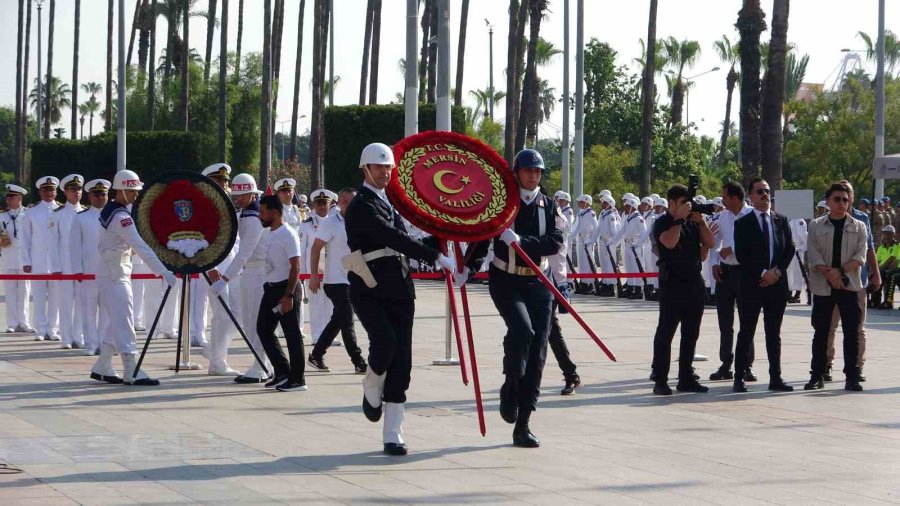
(164, 219)
(470, 232)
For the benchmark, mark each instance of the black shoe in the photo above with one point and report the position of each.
(861, 377)
(661, 389)
(395, 449)
(144, 382)
(247, 380)
(721, 374)
(814, 384)
(739, 387)
(827, 376)
(293, 386)
(853, 386)
(317, 363)
(277, 382)
(523, 438)
(112, 380)
(373, 414)
(749, 377)
(635, 293)
(509, 409)
(691, 386)
(571, 385)
(360, 367)
(694, 374)
(653, 376)
(778, 385)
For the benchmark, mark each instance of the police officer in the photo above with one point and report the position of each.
(61, 224)
(522, 300)
(35, 256)
(320, 306)
(12, 219)
(84, 237)
(284, 188)
(629, 236)
(375, 232)
(585, 224)
(117, 240)
(608, 226)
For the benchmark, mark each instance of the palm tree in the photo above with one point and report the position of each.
(425, 51)
(23, 118)
(461, 53)
(185, 68)
(367, 44)
(265, 122)
(730, 55)
(432, 53)
(151, 84)
(751, 22)
(50, 29)
(19, 36)
(83, 110)
(328, 86)
(75, 69)
(145, 23)
(513, 45)
(210, 31)
(771, 136)
(240, 37)
(891, 49)
(376, 52)
(295, 110)
(56, 96)
(91, 107)
(109, 64)
(680, 55)
(648, 96)
(545, 53)
(223, 84)
(316, 139)
(483, 98)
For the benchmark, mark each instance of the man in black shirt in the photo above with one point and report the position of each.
(681, 240)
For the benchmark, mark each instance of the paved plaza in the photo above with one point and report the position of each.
(202, 439)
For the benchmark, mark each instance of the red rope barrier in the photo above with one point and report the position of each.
(304, 277)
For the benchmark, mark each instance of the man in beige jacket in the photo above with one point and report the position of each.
(837, 250)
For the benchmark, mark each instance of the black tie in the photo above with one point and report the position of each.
(765, 229)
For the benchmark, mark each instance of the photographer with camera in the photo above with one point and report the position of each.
(682, 240)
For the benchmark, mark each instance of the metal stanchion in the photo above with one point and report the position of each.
(183, 359)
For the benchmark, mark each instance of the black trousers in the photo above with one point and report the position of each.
(389, 325)
(822, 311)
(341, 321)
(771, 301)
(558, 344)
(727, 295)
(680, 302)
(290, 324)
(524, 303)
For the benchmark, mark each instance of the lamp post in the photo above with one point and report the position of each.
(490, 68)
(40, 92)
(687, 91)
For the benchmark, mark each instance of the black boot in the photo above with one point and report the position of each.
(648, 292)
(852, 382)
(509, 403)
(624, 292)
(522, 436)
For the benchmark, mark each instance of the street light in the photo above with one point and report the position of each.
(491, 67)
(687, 91)
(40, 93)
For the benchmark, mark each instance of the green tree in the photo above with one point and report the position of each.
(57, 96)
(730, 55)
(679, 55)
(612, 101)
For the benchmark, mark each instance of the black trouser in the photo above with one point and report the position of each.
(290, 324)
(389, 325)
(727, 294)
(558, 344)
(772, 301)
(341, 321)
(822, 311)
(525, 305)
(679, 302)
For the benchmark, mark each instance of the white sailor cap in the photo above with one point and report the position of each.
(628, 195)
(221, 169)
(46, 181)
(822, 205)
(606, 193)
(561, 195)
(647, 200)
(98, 185)
(321, 194)
(609, 200)
(632, 201)
(286, 183)
(717, 202)
(661, 202)
(72, 179)
(15, 189)
(587, 199)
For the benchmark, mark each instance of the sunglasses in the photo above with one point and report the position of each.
(841, 200)
(763, 191)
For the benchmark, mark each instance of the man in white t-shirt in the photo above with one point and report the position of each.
(281, 299)
(332, 238)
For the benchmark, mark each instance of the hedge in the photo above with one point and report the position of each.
(349, 129)
(148, 153)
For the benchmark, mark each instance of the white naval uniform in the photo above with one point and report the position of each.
(607, 227)
(712, 258)
(17, 292)
(559, 266)
(141, 294)
(583, 230)
(320, 306)
(62, 220)
(85, 260)
(35, 251)
(118, 237)
(569, 214)
(649, 259)
(629, 237)
(223, 330)
(291, 216)
(794, 272)
(248, 268)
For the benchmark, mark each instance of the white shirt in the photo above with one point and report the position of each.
(726, 232)
(36, 237)
(12, 221)
(768, 219)
(62, 220)
(85, 237)
(118, 237)
(528, 196)
(585, 225)
(252, 247)
(291, 217)
(283, 245)
(308, 230)
(334, 234)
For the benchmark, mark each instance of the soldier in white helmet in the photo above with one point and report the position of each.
(86, 259)
(648, 204)
(118, 239)
(607, 227)
(660, 205)
(61, 223)
(586, 222)
(35, 256)
(320, 306)
(629, 236)
(17, 291)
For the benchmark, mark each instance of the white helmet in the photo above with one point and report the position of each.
(822, 205)
(243, 184)
(587, 199)
(648, 200)
(127, 180)
(606, 193)
(609, 200)
(376, 153)
(717, 202)
(661, 202)
(632, 201)
(654, 196)
(700, 199)
(561, 195)
(627, 196)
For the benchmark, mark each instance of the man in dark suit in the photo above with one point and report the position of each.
(764, 249)
(386, 307)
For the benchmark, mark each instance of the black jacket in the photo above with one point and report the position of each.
(372, 225)
(752, 252)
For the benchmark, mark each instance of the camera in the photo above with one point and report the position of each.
(693, 183)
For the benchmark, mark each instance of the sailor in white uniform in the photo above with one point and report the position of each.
(320, 306)
(61, 223)
(17, 291)
(608, 226)
(86, 259)
(35, 257)
(585, 223)
(629, 237)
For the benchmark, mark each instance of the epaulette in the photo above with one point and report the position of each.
(308, 220)
(32, 205)
(58, 209)
(86, 209)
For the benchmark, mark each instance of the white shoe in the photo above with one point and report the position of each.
(39, 337)
(90, 352)
(25, 328)
(78, 345)
(338, 343)
(10, 330)
(54, 336)
(139, 328)
(224, 372)
(66, 346)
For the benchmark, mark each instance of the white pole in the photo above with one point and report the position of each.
(443, 70)
(879, 98)
(120, 138)
(579, 100)
(411, 96)
(565, 126)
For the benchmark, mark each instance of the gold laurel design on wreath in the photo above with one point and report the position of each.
(498, 196)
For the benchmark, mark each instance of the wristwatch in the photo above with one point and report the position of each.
(679, 221)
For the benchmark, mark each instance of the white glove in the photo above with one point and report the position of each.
(460, 278)
(444, 262)
(217, 287)
(170, 279)
(509, 237)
